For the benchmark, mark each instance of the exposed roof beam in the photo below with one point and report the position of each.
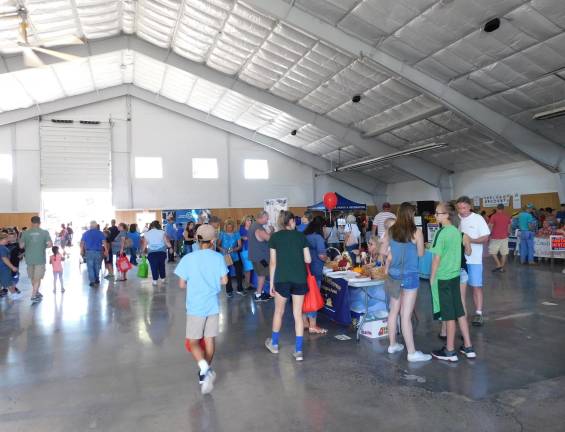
(405, 121)
(63, 104)
(424, 170)
(540, 149)
(359, 181)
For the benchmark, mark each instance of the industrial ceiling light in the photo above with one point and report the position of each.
(294, 132)
(380, 159)
(551, 114)
(492, 25)
(356, 99)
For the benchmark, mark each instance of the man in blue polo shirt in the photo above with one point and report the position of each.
(91, 248)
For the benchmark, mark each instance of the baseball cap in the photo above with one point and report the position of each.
(206, 233)
(530, 205)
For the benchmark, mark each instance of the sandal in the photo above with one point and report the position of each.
(317, 330)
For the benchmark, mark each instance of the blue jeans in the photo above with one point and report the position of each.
(93, 262)
(526, 246)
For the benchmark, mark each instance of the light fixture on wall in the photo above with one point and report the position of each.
(385, 158)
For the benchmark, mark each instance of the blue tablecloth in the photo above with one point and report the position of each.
(425, 265)
(342, 301)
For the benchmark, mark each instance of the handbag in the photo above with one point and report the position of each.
(143, 268)
(123, 263)
(313, 300)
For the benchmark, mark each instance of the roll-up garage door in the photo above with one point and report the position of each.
(75, 155)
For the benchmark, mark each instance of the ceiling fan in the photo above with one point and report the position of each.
(30, 49)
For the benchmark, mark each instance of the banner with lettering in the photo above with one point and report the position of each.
(494, 200)
(336, 300)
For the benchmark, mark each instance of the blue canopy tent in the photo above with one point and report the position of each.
(343, 204)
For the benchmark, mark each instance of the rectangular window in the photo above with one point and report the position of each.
(148, 167)
(204, 168)
(6, 167)
(254, 169)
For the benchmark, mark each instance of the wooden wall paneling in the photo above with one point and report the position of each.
(16, 219)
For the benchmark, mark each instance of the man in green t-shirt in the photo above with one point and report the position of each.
(444, 280)
(35, 240)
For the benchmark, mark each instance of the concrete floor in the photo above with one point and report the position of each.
(113, 359)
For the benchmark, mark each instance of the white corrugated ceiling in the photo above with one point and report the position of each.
(516, 70)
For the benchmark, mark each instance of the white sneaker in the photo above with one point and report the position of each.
(273, 348)
(208, 383)
(419, 356)
(395, 348)
(154, 283)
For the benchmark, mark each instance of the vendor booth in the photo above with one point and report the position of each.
(348, 297)
(343, 204)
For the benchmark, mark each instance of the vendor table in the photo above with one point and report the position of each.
(341, 293)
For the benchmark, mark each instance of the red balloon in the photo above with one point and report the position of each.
(330, 200)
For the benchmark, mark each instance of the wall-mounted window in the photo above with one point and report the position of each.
(204, 168)
(148, 167)
(6, 167)
(254, 169)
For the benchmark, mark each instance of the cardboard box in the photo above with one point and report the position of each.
(375, 329)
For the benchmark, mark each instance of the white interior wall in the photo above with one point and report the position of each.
(524, 177)
(412, 191)
(154, 131)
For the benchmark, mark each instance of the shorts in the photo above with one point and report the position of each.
(463, 277)
(498, 245)
(450, 304)
(409, 282)
(6, 278)
(260, 270)
(198, 327)
(475, 272)
(36, 271)
(286, 289)
(109, 259)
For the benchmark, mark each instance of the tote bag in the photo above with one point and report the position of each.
(143, 268)
(313, 300)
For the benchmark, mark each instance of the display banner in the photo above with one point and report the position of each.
(432, 229)
(494, 200)
(336, 300)
(187, 215)
(516, 201)
(273, 207)
(557, 243)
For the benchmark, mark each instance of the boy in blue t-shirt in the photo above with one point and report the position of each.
(203, 273)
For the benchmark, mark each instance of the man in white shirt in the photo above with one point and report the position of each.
(475, 227)
(379, 221)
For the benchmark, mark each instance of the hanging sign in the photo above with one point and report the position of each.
(494, 200)
(516, 201)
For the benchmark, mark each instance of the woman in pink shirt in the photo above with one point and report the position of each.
(56, 261)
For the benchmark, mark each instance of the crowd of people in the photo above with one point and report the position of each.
(216, 254)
